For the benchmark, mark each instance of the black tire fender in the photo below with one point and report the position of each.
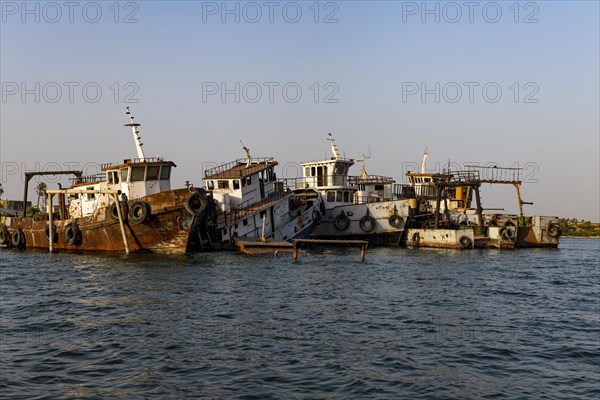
(112, 211)
(367, 223)
(17, 238)
(465, 242)
(395, 221)
(553, 230)
(139, 212)
(341, 222)
(54, 233)
(416, 238)
(4, 235)
(196, 202)
(72, 234)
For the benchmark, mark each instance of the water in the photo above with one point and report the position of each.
(405, 324)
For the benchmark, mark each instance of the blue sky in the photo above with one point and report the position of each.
(365, 58)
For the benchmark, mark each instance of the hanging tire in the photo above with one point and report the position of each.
(341, 222)
(507, 233)
(367, 223)
(196, 202)
(465, 242)
(54, 233)
(553, 230)
(139, 212)
(114, 214)
(17, 238)
(316, 216)
(4, 235)
(416, 239)
(72, 234)
(509, 223)
(395, 221)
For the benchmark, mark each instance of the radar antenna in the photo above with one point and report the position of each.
(424, 163)
(334, 150)
(363, 170)
(136, 136)
(247, 150)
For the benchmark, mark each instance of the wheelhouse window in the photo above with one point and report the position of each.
(236, 184)
(346, 197)
(124, 174)
(306, 171)
(330, 197)
(137, 174)
(210, 185)
(165, 172)
(152, 173)
(338, 197)
(223, 184)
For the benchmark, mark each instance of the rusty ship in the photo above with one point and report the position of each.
(442, 213)
(251, 203)
(355, 207)
(129, 207)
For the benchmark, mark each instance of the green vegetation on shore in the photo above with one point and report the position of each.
(575, 228)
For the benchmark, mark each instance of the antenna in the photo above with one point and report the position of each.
(247, 150)
(363, 170)
(424, 163)
(334, 150)
(136, 136)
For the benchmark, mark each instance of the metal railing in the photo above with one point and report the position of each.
(496, 174)
(88, 179)
(355, 180)
(469, 176)
(227, 166)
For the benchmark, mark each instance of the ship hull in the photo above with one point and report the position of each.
(169, 229)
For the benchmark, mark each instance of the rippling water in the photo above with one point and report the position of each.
(405, 324)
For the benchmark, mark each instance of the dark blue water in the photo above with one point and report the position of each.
(405, 324)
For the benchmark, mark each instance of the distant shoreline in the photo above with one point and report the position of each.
(580, 237)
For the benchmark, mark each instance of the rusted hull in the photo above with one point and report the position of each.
(526, 237)
(169, 229)
(440, 238)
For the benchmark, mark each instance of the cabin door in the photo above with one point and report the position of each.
(261, 183)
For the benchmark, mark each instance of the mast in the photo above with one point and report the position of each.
(247, 150)
(136, 137)
(363, 169)
(334, 150)
(424, 163)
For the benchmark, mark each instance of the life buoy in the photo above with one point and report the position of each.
(4, 235)
(553, 230)
(114, 214)
(196, 202)
(465, 242)
(72, 234)
(139, 212)
(367, 223)
(17, 238)
(316, 216)
(54, 233)
(395, 221)
(416, 238)
(341, 222)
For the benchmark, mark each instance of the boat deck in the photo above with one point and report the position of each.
(228, 217)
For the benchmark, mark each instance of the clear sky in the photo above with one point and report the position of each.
(487, 82)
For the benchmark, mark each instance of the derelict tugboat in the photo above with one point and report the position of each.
(362, 207)
(129, 207)
(252, 204)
